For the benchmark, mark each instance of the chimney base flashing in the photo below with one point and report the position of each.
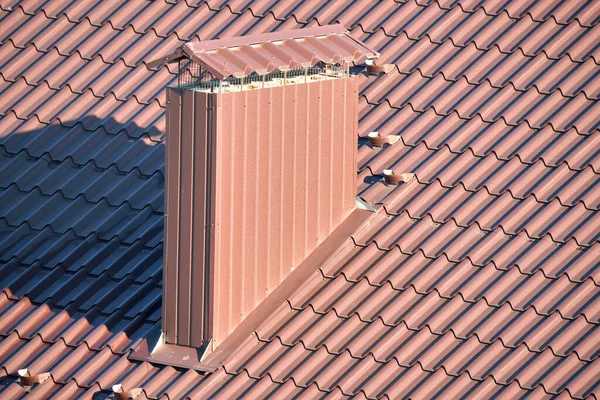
(153, 349)
(205, 360)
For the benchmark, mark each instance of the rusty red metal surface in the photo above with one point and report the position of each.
(479, 278)
(256, 180)
(277, 51)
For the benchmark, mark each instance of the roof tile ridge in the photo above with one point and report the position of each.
(491, 84)
(58, 120)
(51, 301)
(447, 257)
(468, 118)
(78, 53)
(471, 261)
(85, 269)
(70, 19)
(92, 161)
(62, 193)
(464, 299)
(495, 153)
(498, 226)
(514, 18)
(71, 303)
(524, 121)
(449, 39)
(82, 195)
(89, 89)
(402, 321)
(484, 187)
(64, 342)
(51, 228)
(98, 55)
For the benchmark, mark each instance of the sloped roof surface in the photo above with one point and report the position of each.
(479, 278)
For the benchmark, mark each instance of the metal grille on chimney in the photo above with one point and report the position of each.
(260, 176)
(194, 76)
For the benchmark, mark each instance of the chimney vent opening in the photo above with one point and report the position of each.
(194, 76)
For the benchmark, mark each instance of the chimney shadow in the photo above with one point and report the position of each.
(81, 232)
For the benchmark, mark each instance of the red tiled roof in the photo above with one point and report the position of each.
(477, 278)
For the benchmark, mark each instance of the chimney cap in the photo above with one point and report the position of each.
(277, 51)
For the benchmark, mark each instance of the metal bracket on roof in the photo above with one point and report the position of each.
(392, 179)
(374, 69)
(28, 380)
(154, 349)
(121, 394)
(378, 141)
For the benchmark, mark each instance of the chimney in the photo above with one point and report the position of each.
(260, 170)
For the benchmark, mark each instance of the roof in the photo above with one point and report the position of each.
(479, 277)
(275, 51)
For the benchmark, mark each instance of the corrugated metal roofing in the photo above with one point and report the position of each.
(277, 51)
(479, 278)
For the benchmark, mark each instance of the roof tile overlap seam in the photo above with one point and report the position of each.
(482, 188)
(107, 22)
(402, 2)
(74, 379)
(102, 200)
(472, 86)
(566, 54)
(521, 120)
(64, 342)
(424, 369)
(497, 226)
(501, 118)
(416, 330)
(155, 278)
(382, 248)
(83, 310)
(480, 298)
(88, 89)
(487, 81)
(79, 123)
(77, 53)
(488, 191)
(94, 233)
(474, 264)
(105, 199)
(494, 153)
(414, 361)
(68, 87)
(471, 262)
(69, 158)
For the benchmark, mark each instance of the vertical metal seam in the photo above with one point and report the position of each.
(244, 203)
(270, 157)
(257, 248)
(208, 290)
(319, 155)
(293, 229)
(192, 214)
(281, 185)
(331, 152)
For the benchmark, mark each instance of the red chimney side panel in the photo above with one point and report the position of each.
(190, 212)
(286, 178)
